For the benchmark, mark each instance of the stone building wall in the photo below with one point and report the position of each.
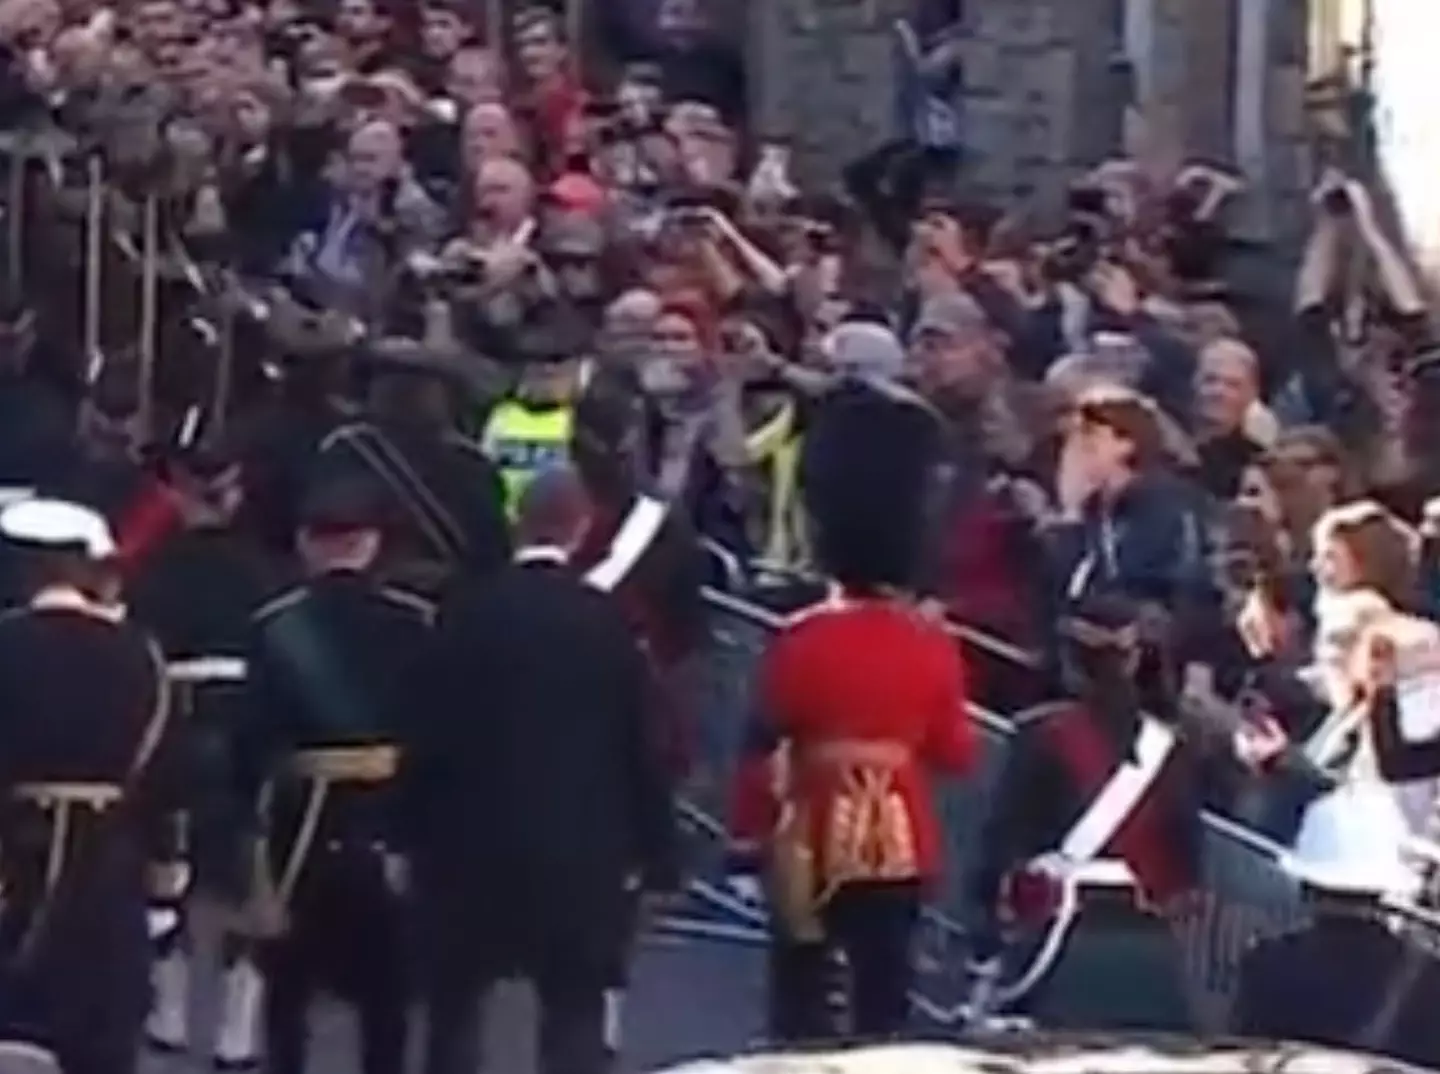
(1046, 88)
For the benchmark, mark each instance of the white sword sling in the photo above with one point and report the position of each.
(1117, 800)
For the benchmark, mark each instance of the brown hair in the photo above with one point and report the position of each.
(1132, 417)
(1299, 506)
(1383, 548)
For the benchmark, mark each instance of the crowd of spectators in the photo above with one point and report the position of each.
(543, 214)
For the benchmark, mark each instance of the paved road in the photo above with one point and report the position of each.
(695, 998)
(689, 999)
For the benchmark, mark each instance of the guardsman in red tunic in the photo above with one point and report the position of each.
(863, 700)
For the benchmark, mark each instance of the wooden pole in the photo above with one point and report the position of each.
(495, 28)
(575, 37)
(94, 257)
(149, 313)
(224, 367)
(15, 222)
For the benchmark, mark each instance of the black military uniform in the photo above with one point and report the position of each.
(328, 667)
(445, 500)
(204, 644)
(536, 826)
(87, 782)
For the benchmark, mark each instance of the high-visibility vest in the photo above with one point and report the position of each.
(522, 442)
(774, 447)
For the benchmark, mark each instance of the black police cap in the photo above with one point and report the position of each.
(339, 503)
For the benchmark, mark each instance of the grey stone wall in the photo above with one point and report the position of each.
(1039, 96)
(1046, 88)
(823, 77)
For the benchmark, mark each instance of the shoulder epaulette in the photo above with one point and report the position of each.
(827, 606)
(409, 601)
(343, 432)
(275, 605)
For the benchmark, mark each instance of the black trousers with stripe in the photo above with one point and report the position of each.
(855, 983)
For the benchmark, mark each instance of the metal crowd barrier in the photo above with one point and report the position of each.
(1254, 896)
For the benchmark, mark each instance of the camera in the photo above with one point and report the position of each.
(433, 272)
(1336, 201)
(1086, 201)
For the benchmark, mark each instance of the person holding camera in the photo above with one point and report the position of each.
(378, 215)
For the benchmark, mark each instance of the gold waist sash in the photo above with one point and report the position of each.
(867, 835)
(322, 768)
(60, 799)
(347, 764)
(855, 753)
(61, 795)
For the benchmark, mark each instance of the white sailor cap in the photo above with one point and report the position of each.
(1430, 516)
(59, 525)
(1352, 840)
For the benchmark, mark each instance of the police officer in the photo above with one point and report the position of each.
(204, 643)
(1347, 856)
(530, 431)
(538, 826)
(87, 784)
(328, 666)
(444, 496)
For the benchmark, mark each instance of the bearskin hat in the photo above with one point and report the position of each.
(866, 472)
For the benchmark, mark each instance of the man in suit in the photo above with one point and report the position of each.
(542, 807)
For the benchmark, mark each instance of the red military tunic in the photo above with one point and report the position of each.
(148, 521)
(657, 584)
(869, 699)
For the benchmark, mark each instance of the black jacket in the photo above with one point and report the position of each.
(538, 795)
(1292, 987)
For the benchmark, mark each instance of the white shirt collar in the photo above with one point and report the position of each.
(66, 598)
(542, 553)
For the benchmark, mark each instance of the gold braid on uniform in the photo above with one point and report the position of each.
(321, 769)
(60, 798)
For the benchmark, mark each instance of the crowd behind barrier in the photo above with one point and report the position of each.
(1243, 865)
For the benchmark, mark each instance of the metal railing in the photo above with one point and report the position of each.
(1242, 865)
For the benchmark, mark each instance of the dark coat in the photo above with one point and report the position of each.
(539, 797)
(1292, 988)
(78, 693)
(329, 664)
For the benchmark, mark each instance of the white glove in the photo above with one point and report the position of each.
(747, 889)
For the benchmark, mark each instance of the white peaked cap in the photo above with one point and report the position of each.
(58, 524)
(1352, 840)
